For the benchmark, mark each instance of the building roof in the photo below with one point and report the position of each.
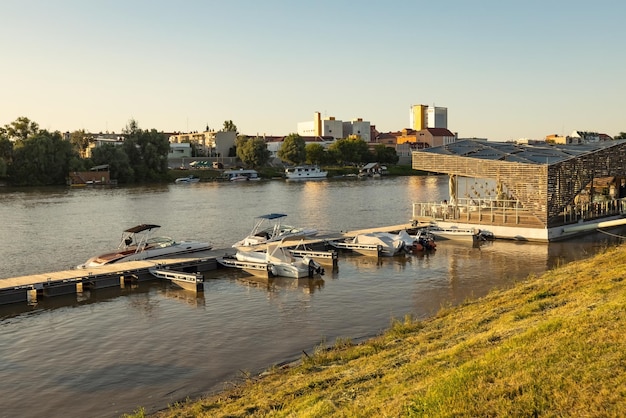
(439, 132)
(520, 153)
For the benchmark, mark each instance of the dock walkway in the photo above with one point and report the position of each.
(29, 288)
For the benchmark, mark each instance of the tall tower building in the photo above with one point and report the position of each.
(423, 116)
(418, 117)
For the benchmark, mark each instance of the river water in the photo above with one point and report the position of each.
(105, 353)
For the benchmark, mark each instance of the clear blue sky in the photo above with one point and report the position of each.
(504, 69)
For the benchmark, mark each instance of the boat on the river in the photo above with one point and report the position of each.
(421, 241)
(305, 172)
(138, 243)
(269, 228)
(462, 234)
(276, 260)
(241, 175)
(187, 180)
(374, 243)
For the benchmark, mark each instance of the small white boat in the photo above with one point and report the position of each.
(137, 243)
(241, 175)
(421, 241)
(277, 260)
(187, 180)
(269, 228)
(305, 172)
(461, 234)
(375, 243)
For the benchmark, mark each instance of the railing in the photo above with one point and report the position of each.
(511, 211)
(471, 209)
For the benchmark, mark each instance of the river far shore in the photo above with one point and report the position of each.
(551, 345)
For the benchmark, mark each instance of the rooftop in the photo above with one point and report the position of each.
(520, 153)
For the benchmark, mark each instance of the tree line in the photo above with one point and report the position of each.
(30, 156)
(294, 150)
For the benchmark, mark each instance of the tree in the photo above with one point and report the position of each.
(117, 160)
(229, 126)
(293, 149)
(6, 152)
(253, 152)
(350, 151)
(80, 140)
(386, 155)
(147, 152)
(622, 135)
(41, 159)
(21, 128)
(316, 154)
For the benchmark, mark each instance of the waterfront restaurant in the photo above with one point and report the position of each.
(541, 192)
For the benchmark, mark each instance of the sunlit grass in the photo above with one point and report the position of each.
(553, 345)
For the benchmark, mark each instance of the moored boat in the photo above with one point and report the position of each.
(305, 172)
(374, 243)
(187, 180)
(137, 243)
(462, 234)
(269, 228)
(241, 175)
(276, 260)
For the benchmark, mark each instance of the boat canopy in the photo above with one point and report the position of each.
(141, 228)
(272, 216)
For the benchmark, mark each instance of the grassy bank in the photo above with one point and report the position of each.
(553, 345)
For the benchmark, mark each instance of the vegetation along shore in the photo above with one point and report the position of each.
(549, 346)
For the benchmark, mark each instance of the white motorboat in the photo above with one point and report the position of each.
(375, 243)
(187, 180)
(421, 241)
(269, 228)
(241, 175)
(137, 243)
(462, 234)
(305, 172)
(276, 260)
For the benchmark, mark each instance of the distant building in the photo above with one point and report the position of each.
(435, 137)
(182, 150)
(102, 139)
(424, 138)
(274, 143)
(423, 116)
(586, 137)
(561, 140)
(330, 126)
(208, 143)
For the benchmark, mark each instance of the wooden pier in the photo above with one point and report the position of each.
(184, 271)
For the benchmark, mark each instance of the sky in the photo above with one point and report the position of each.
(504, 69)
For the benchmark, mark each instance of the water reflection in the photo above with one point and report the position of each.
(197, 341)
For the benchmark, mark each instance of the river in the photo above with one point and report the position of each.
(108, 352)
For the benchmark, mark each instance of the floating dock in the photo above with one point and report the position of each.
(183, 271)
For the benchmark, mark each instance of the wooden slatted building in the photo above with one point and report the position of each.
(552, 185)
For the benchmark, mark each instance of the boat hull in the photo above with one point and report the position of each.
(183, 247)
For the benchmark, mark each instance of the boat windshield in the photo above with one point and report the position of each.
(160, 242)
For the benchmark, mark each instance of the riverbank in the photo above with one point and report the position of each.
(268, 172)
(550, 346)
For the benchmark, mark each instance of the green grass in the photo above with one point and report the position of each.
(551, 346)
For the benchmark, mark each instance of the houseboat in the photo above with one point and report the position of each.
(241, 175)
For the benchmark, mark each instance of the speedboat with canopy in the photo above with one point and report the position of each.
(138, 243)
(269, 228)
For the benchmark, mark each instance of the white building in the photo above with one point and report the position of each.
(358, 127)
(208, 143)
(335, 128)
(181, 150)
(423, 116)
(437, 117)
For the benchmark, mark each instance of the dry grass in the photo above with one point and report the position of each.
(550, 346)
